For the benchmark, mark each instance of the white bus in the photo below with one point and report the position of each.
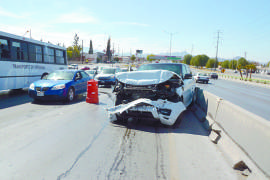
(24, 60)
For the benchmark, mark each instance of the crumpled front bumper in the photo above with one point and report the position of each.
(154, 107)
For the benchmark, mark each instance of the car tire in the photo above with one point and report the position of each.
(206, 82)
(70, 95)
(118, 100)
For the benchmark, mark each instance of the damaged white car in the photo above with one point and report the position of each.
(159, 92)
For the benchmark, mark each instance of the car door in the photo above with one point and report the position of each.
(85, 78)
(78, 83)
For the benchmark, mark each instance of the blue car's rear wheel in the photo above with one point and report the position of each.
(70, 94)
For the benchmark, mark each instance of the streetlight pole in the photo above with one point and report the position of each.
(171, 34)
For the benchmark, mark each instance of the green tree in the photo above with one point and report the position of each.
(233, 64)
(116, 59)
(90, 48)
(204, 60)
(239, 68)
(268, 64)
(150, 59)
(243, 62)
(187, 59)
(108, 49)
(225, 64)
(211, 63)
(69, 54)
(132, 58)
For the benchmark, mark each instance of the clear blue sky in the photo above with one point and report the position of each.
(140, 24)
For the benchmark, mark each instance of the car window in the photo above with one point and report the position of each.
(177, 68)
(61, 75)
(84, 75)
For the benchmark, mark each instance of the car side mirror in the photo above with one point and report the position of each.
(188, 76)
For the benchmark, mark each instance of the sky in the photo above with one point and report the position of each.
(244, 26)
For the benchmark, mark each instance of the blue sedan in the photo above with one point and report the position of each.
(60, 85)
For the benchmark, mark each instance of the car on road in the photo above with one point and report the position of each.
(201, 77)
(73, 66)
(85, 68)
(157, 92)
(213, 76)
(60, 85)
(107, 76)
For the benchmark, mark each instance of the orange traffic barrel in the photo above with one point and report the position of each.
(92, 92)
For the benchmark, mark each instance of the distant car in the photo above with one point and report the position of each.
(201, 77)
(213, 76)
(85, 68)
(91, 73)
(73, 66)
(60, 85)
(107, 76)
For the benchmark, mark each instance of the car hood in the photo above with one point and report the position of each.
(148, 77)
(50, 83)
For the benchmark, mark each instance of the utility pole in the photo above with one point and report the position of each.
(217, 49)
(245, 55)
(191, 49)
(171, 34)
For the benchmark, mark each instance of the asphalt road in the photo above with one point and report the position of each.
(55, 140)
(250, 97)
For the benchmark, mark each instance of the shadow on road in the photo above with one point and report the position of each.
(13, 98)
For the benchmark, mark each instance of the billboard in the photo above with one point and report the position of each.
(139, 51)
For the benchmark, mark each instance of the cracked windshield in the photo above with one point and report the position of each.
(134, 90)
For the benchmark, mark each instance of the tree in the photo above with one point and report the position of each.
(69, 54)
(91, 48)
(116, 59)
(243, 62)
(239, 68)
(149, 57)
(187, 59)
(210, 63)
(268, 64)
(76, 40)
(132, 58)
(108, 49)
(204, 60)
(250, 68)
(225, 64)
(199, 60)
(233, 64)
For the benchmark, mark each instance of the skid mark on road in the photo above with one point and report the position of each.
(125, 146)
(65, 174)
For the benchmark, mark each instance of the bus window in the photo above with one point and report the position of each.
(4, 49)
(15, 50)
(35, 53)
(51, 55)
(24, 51)
(60, 57)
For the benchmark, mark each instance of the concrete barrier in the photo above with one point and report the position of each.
(249, 131)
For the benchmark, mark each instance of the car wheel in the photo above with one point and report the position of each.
(70, 95)
(206, 82)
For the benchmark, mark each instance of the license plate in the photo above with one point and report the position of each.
(40, 93)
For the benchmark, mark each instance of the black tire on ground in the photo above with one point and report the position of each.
(206, 82)
(70, 95)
